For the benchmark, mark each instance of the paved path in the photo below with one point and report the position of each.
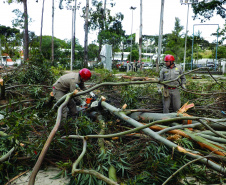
(44, 177)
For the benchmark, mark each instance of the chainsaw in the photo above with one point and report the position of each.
(91, 102)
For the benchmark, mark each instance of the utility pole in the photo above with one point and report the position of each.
(132, 8)
(160, 35)
(185, 43)
(140, 33)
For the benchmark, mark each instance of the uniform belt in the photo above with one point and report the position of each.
(171, 87)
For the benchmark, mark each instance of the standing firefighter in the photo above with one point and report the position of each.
(68, 83)
(171, 95)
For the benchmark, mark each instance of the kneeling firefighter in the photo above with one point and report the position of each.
(67, 84)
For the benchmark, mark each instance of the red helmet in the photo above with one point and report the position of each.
(169, 58)
(85, 73)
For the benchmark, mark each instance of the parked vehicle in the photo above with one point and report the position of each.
(161, 65)
(7, 61)
(98, 65)
(147, 66)
(210, 64)
(123, 66)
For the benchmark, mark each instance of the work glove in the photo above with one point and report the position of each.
(184, 87)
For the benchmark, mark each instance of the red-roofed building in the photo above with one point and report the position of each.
(6, 60)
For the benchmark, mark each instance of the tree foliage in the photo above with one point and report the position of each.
(10, 37)
(46, 46)
(7, 32)
(26, 37)
(112, 35)
(206, 10)
(137, 158)
(109, 26)
(175, 42)
(134, 57)
(221, 34)
(221, 52)
(18, 22)
(93, 52)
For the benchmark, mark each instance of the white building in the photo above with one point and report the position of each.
(118, 56)
(7, 61)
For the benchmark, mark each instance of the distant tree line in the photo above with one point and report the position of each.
(110, 31)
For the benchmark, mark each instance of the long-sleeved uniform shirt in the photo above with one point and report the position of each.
(67, 82)
(167, 74)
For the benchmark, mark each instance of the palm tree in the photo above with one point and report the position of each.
(52, 32)
(26, 38)
(40, 41)
(86, 35)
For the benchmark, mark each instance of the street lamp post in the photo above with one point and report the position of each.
(160, 34)
(73, 9)
(131, 8)
(185, 43)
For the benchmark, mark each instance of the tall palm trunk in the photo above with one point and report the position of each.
(103, 16)
(73, 34)
(40, 41)
(103, 20)
(52, 32)
(26, 38)
(86, 35)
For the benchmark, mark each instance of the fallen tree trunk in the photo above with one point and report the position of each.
(190, 135)
(192, 154)
(111, 171)
(219, 124)
(132, 78)
(47, 144)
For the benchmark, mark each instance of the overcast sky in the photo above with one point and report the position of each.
(151, 18)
